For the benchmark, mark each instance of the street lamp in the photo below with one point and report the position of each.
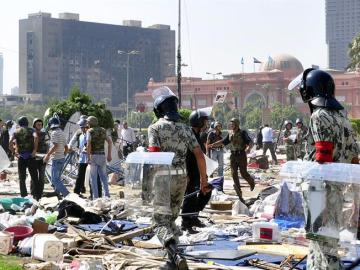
(133, 52)
(214, 75)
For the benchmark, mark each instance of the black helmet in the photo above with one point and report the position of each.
(318, 88)
(197, 118)
(54, 122)
(37, 120)
(9, 123)
(165, 104)
(23, 121)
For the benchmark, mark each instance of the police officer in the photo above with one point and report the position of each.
(289, 141)
(25, 149)
(332, 140)
(301, 134)
(240, 145)
(169, 135)
(43, 146)
(96, 137)
(216, 154)
(194, 204)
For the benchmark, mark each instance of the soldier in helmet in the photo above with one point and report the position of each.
(289, 141)
(194, 204)
(331, 139)
(240, 145)
(169, 135)
(301, 135)
(56, 153)
(43, 146)
(25, 148)
(96, 137)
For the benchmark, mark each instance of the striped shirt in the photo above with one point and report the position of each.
(57, 136)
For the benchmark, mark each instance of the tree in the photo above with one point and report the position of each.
(82, 103)
(354, 53)
(279, 113)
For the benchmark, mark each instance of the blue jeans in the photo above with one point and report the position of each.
(219, 157)
(56, 169)
(98, 167)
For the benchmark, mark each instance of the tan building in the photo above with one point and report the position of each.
(270, 84)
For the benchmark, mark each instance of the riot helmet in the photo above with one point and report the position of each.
(166, 104)
(37, 120)
(9, 123)
(92, 121)
(235, 121)
(298, 121)
(198, 117)
(287, 122)
(82, 122)
(318, 88)
(23, 121)
(54, 122)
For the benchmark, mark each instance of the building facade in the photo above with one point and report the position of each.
(57, 54)
(342, 25)
(1, 74)
(270, 85)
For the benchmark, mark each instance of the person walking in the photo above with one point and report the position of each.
(289, 141)
(128, 139)
(301, 136)
(240, 144)
(42, 149)
(23, 144)
(216, 153)
(194, 204)
(331, 139)
(5, 138)
(96, 137)
(56, 154)
(170, 135)
(267, 141)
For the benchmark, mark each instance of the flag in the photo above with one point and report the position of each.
(242, 60)
(256, 61)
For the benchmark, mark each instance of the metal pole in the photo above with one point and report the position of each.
(127, 88)
(179, 57)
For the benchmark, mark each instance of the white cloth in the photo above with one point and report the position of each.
(267, 134)
(127, 136)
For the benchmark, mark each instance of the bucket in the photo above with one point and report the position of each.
(20, 232)
(6, 242)
(46, 247)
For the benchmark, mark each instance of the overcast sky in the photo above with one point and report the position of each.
(216, 34)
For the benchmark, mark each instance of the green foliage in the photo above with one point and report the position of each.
(354, 53)
(82, 103)
(356, 126)
(185, 114)
(280, 113)
(10, 263)
(144, 120)
(221, 111)
(31, 111)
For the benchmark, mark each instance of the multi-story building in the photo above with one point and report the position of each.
(342, 25)
(1, 74)
(269, 85)
(57, 54)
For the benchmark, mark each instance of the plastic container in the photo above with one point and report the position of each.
(46, 247)
(20, 232)
(266, 231)
(6, 242)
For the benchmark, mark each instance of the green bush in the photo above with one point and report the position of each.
(80, 102)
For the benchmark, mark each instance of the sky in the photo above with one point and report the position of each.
(215, 34)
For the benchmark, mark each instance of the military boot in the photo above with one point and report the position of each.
(251, 182)
(174, 255)
(239, 193)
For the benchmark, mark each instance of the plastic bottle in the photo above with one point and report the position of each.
(51, 218)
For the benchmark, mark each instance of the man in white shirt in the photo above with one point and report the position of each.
(267, 134)
(127, 138)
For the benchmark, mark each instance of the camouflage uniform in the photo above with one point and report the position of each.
(330, 126)
(301, 141)
(97, 136)
(238, 141)
(289, 146)
(178, 138)
(25, 145)
(40, 165)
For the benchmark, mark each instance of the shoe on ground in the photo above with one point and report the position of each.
(196, 222)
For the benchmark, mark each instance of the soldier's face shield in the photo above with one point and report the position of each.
(147, 183)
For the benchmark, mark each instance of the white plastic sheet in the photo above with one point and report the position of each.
(4, 160)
